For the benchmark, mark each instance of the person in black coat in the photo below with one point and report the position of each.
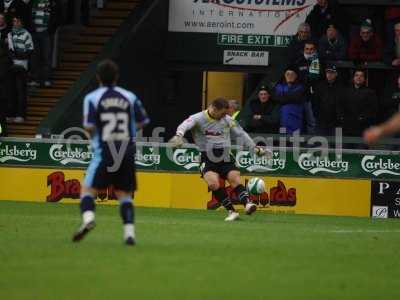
(326, 100)
(358, 107)
(263, 115)
(332, 46)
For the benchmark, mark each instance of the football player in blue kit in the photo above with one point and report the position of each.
(111, 115)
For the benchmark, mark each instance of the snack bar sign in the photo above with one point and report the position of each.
(257, 58)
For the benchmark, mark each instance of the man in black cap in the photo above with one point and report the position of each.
(327, 95)
(263, 116)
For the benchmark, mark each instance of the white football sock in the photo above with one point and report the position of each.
(129, 231)
(88, 216)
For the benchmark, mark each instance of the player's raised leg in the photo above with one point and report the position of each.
(220, 194)
(87, 207)
(233, 178)
(127, 211)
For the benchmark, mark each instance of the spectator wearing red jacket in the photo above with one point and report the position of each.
(368, 46)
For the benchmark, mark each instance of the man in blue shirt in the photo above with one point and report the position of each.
(111, 116)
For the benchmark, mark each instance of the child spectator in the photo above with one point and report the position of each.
(21, 46)
(368, 46)
(234, 108)
(332, 46)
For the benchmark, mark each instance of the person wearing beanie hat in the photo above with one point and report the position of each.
(367, 25)
(366, 47)
(263, 88)
(332, 46)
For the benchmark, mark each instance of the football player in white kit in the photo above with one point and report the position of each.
(211, 130)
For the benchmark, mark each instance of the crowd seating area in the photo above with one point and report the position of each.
(342, 70)
(29, 47)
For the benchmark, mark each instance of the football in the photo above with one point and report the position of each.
(256, 186)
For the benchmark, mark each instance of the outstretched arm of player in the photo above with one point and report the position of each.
(373, 134)
(177, 139)
(238, 132)
(141, 117)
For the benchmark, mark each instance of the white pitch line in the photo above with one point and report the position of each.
(362, 231)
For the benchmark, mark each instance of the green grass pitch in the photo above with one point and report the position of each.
(192, 254)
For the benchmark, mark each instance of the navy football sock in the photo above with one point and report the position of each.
(127, 211)
(223, 198)
(87, 203)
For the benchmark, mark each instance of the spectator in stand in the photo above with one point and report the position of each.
(326, 100)
(392, 52)
(233, 109)
(309, 73)
(290, 94)
(4, 29)
(358, 107)
(392, 17)
(20, 44)
(355, 15)
(332, 46)
(391, 100)
(264, 113)
(46, 16)
(322, 15)
(5, 64)
(12, 8)
(296, 45)
(308, 64)
(368, 46)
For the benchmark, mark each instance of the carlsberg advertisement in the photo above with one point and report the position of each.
(230, 31)
(151, 157)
